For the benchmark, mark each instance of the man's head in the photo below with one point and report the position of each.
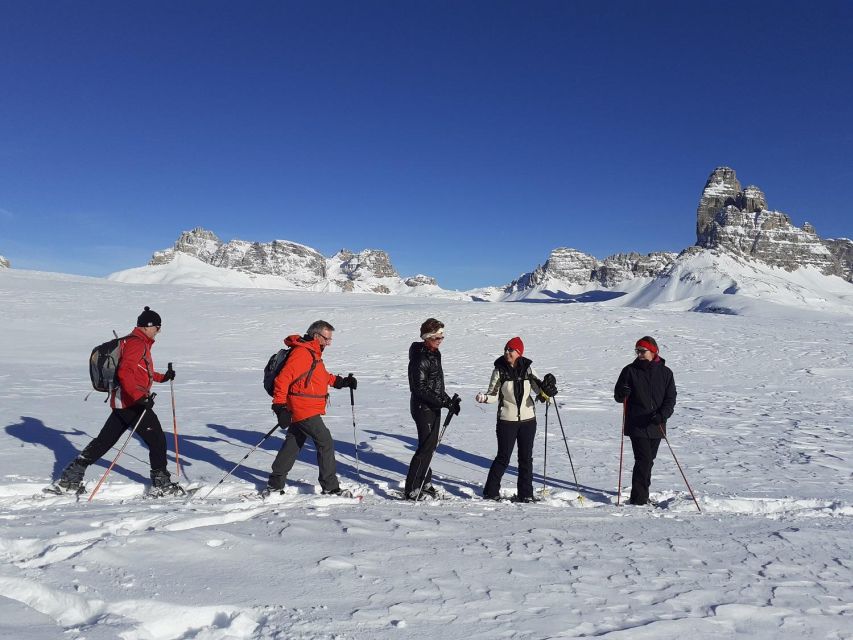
(149, 321)
(321, 331)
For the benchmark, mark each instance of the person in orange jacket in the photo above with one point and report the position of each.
(299, 400)
(135, 374)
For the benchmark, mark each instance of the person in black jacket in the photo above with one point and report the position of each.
(647, 386)
(426, 382)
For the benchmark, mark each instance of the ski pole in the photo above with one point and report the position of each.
(112, 464)
(269, 433)
(557, 409)
(454, 405)
(663, 433)
(621, 448)
(354, 436)
(174, 424)
(545, 465)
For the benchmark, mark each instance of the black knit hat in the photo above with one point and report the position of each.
(148, 318)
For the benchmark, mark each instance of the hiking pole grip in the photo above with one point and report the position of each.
(351, 393)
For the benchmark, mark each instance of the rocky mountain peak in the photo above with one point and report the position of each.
(4, 263)
(740, 222)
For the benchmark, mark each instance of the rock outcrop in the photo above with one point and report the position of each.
(842, 250)
(4, 263)
(739, 221)
(574, 268)
(368, 270)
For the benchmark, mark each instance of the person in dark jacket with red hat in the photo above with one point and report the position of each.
(135, 374)
(647, 387)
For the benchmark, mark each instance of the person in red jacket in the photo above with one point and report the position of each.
(299, 399)
(135, 374)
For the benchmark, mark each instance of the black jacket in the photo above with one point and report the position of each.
(652, 398)
(426, 378)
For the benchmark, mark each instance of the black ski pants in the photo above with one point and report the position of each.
(428, 422)
(509, 432)
(645, 451)
(297, 434)
(119, 421)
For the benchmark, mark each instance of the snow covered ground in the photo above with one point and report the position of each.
(762, 429)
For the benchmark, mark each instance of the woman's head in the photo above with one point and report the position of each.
(432, 332)
(513, 350)
(646, 348)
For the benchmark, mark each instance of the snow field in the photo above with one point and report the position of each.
(761, 428)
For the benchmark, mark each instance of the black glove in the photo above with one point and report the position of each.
(169, 375)
(625, 391)
(349, 381)
(283, 414)
(147, 402)
(452, 405)
(549, 385)
(657, 418)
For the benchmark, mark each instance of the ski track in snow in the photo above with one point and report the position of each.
(762, 429)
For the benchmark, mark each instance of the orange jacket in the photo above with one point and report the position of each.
(305, 395)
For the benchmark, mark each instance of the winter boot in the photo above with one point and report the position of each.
(162, 485)
(72, 477)
(268, 491)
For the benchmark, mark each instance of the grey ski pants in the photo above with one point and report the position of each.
(297, 433)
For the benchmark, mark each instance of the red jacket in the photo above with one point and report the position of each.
(135, 369)
(305, 395)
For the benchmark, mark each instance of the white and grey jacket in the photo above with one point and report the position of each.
(511, 388)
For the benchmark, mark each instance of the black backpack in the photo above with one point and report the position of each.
(103, 364)
(276, 363)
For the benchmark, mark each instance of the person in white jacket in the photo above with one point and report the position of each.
(512, 383)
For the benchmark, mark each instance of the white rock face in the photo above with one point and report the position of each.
(299, 265)
(4, 263)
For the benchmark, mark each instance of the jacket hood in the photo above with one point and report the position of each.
(138, 333)
(299, 341)
(521, 364)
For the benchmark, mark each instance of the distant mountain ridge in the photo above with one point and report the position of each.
(303, 267)
(4, 263)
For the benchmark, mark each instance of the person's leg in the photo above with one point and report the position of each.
(286, 456)
(151, 433)
(526, 436)
(315, 428)
(428, 430)
(506, 433)
(642, 474)
(109, 434)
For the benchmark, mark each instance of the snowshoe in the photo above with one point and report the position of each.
(268, 491)
(341, 493)
(525, 499)
(62, 488)
(162, 485)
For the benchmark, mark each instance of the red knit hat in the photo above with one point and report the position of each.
(647, 343)
(516, 345)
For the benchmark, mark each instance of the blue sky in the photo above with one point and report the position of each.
(465, 138)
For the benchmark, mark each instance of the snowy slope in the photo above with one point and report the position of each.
(707, 280)
(762, 429)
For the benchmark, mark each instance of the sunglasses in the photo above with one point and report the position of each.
(640, 352)
(437, 338)
(510, 350)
